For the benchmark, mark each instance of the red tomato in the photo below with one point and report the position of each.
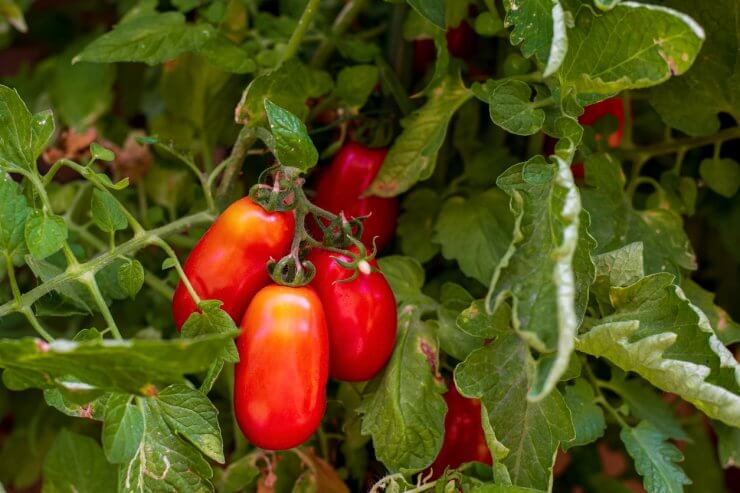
(361, 316)
(340, 186)
(461, 41)
(612, 106)
(280, 380)
(464, 439)
(229, 262)
(424, 54)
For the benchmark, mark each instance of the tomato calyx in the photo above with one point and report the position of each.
(360, 262)
(280, 188)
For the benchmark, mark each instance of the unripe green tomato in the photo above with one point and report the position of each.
(515, 64)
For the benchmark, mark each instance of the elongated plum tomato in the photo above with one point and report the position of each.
(360, 314)
(464, 439)
(280, 380)
(229, 262)
(340, 186)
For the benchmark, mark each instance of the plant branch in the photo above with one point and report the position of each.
(244, 141)
(342, 22)
(676, 145)
(303, 23)
(137, 242)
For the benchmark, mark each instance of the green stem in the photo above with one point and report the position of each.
(134, 244)
(244, 141)
(312, 7)
(342, 22)
(88, 279)
(26, 311)
(600, 397)
(150, 279)
(52, 172)
(677, 144)
(11, 279)
(178, 267)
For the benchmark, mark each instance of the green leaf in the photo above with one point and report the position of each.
(288, 86)
(99, 152)
(404, 413)
(416, 224)
(634, 45)
(666, 247)
(45, 234)
(655, 458)
(700, 461)
(729, 444)
(711, 87)
(406, 277)
(151, 38)
(237, 476)
(168, 263)
(476, 321)
(211, 319)
(192, 416)
(163, 461)
(123, 428)
(510, 107)
(452, 340)
(106, 212)
(647, 405)
(540, 27)
(475, 231)
(293, 146)
(547, 269)
(522, 435)
(588, 418)
(228, 56)
(14, 212)
(657, 333)
(131, 277)
(432, 10)
(75, 464)
(22, 136)
(354, 84)
(140, 364)
(721, 175)
(413, 155)
(83, 92)
(618, 267)
(724, 326)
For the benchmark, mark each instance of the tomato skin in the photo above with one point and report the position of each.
(461, 41)
(464, 439)
(229, 262)
(280, 380)
(340, 186)
(361, 316)
(611, 106)
(424, 54)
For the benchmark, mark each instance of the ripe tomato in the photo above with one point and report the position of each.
(464, 439)
(461, 41)
(611, 106)
(280, 380)
(340, 186)
(229, 262)
(361, 316)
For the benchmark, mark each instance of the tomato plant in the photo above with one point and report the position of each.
(417, 246)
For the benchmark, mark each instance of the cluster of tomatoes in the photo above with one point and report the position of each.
(342, 324)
